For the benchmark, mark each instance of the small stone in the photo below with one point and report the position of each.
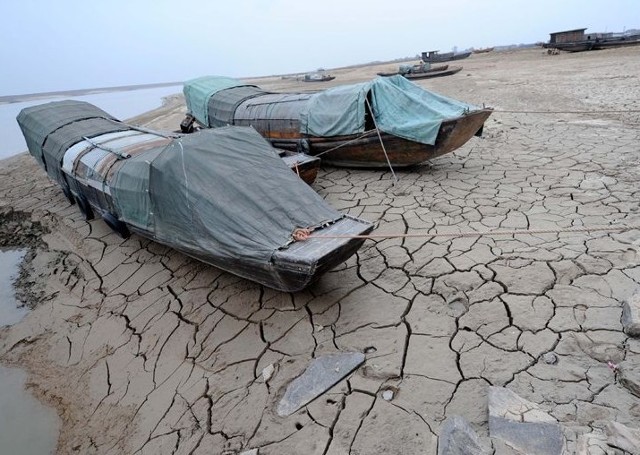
(387, 395)
(631, 315)
(550, 358)
(267, 372)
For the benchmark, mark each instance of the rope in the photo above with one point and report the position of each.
(477, 233)
(568, 112)
(395, 178)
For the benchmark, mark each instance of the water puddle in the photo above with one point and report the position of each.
(27, 427)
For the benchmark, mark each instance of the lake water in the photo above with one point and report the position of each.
(121, 105)
(27, 427)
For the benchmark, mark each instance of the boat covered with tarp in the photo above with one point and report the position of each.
(223, 196)
(388, 120)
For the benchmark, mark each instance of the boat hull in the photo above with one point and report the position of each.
(366, 152)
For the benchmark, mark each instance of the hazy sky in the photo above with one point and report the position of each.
(48, 45)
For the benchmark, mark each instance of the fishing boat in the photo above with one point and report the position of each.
(483, 50)
(358, 125)
(437, 57)
(317, 77)
(222, 196)
(431, 74)
(403, 70)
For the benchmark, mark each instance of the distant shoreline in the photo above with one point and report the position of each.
(80, 92)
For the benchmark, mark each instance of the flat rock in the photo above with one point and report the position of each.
(629, 377)
(522, 425)
(458, 438)
(631, 315)
(623, 437)
(592, 444)
(323, 373)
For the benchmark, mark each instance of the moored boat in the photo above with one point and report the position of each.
(403, 70)
(437, 57)
(222, 196)
(357, 125)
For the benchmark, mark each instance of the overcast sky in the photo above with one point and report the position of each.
(48, 45)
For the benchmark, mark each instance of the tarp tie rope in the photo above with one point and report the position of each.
(119, 154)
(395, 178)
(301, 234)
(478, 233)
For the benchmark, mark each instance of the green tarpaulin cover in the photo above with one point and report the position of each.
(400, 107)
(197, 93)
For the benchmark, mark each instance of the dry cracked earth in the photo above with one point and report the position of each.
(142, 350)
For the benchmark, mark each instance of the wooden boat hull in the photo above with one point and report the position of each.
(428, 75)
(433, 69)
(366, 152)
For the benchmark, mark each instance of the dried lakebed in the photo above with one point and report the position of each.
(142, 350)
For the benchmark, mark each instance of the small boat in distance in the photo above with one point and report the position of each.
(483, 50)
(356, 125)
(437, 57)
(223, 196)
(424, 71)
(317, 77)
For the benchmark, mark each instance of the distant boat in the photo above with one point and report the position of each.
(437, 57)
(222, 196)
(347, 125)
(483, 50)
(403, 70)
(414, 75)
(317, 77)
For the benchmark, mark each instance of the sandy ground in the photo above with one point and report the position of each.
(142, 350)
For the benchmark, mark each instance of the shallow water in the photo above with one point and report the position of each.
(121, 105)
(27, 427)
(10, 312)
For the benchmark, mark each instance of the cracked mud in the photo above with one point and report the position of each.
(143, 350)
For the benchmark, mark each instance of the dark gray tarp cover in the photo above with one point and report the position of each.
(51, 128)
(224, 190)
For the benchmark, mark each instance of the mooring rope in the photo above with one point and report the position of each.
(395, 178)
(304, 234)
(567, 112)
(363, 135)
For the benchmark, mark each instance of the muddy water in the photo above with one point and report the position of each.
(27, 427)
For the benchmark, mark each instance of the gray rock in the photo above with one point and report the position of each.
(529, 438)
(458, 438)
(623, 437)
(592, 444)
(550, 358)
(323, 373)
(522, 425)
(631, 315)
(629, 377)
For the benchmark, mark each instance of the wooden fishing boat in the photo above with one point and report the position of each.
(448, 72)
(222, 196)
(483, 50)
(317, 77)
(345, 125)
(416, 69)
(437, 57)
